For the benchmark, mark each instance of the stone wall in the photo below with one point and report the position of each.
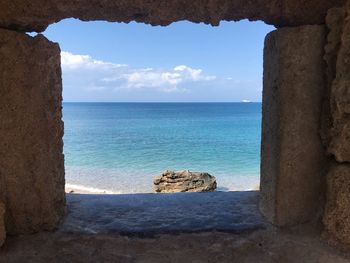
(337, 56)
(293, 160)
(36, 15)
(337, 127)
(2, 224)
(292, 156)
(31, 130)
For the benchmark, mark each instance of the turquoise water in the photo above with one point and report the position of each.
(120, 147)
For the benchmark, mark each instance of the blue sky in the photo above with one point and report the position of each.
(184, 62)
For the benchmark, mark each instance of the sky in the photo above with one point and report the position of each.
(183, 62)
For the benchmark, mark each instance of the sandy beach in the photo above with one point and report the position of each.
(78, 189)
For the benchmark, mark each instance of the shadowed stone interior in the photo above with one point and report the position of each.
(337, 217)
(2, 224)
(298, 245)
(147, 214)
(31, 130)
(337, 214)
(339, 24)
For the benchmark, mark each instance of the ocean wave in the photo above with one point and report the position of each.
(87, 189)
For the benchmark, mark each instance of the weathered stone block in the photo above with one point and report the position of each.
(36, 15)
(339, 99)
(31, 130)
(337, 213)
(334, 21)
(2, 224)
(292, 155)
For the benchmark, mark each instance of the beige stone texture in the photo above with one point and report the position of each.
(31, 130)
(2, 224)
(337, 213)
(265, 246)
(335, 20)
(292, 155)
(338, 63)
(337, 210)
(36, 15)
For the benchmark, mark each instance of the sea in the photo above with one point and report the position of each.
(119, 147)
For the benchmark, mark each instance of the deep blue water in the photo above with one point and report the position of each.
(120, 146)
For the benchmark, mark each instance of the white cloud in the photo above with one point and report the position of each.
(70, 61)
(194, 74)
(96, 75)
(88, 79)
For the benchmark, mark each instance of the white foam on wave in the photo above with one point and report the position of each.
(81, 188)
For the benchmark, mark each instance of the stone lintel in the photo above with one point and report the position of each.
(36, 15)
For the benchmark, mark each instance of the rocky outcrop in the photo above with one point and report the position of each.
(184, 181)
(31, 130)
(292, 155)
(36, 15)
(2, 224)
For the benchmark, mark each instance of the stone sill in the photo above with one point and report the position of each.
(151, 214)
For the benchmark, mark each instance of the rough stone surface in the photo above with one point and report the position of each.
(31, 130)
(36, 15)
(2, 224)
(184, 181)
(89, 234)
(263, 246)
(150, 214)
(292, 154)
(338, 61)
(337, 133)
(337, 213)
(335, 20)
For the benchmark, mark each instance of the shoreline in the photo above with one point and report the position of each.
(79, 189)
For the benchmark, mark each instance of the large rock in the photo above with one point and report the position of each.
(292, 155)
(31, 130)
(337, 213)
(36, 15)
(184, 181)
(2, 224)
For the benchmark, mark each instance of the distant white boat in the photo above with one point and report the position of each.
(246, 101)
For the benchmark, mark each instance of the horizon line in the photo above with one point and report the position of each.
(247, 102)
